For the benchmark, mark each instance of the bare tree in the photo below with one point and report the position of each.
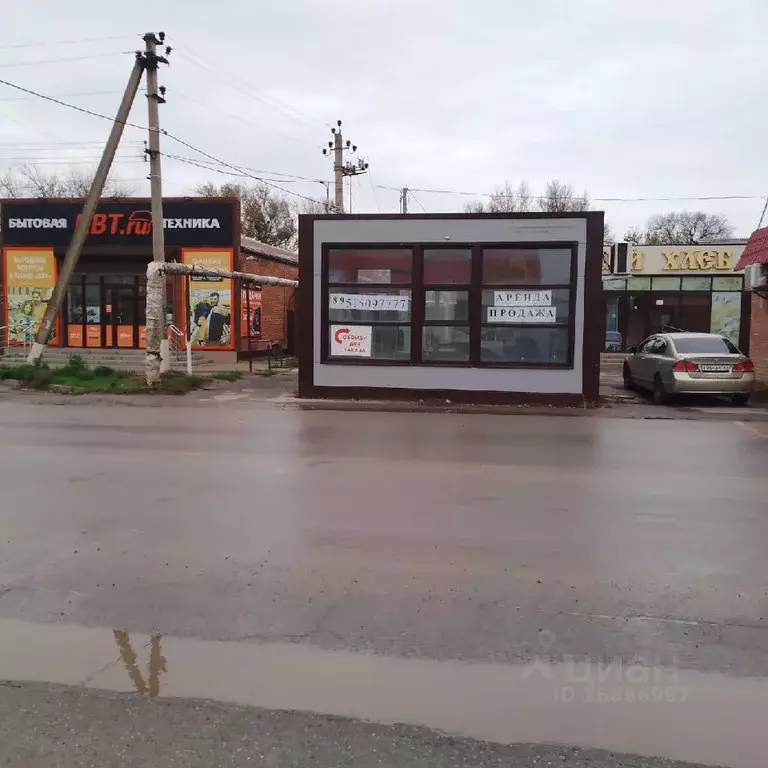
(608, 238)
(505, 199)
(31, 181)
(680, 228)
(687, 227)
(560, 198)
(264, 215)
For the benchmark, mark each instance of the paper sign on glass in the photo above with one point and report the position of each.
(522, 298)
(373, 302)
(351, 340)
(522, 315)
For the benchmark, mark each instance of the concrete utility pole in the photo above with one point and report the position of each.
(157, 343)
(340, 168)
(404, 200)
(45, 331)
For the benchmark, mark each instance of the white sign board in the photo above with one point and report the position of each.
(373, 302)
(522, 298)
(351, 340)
(522, 315)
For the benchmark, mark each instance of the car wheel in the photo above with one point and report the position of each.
(660, 396)
(626, 374)
(740, 399)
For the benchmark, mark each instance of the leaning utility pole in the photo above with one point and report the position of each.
(45, 331)
(404, 200)
(340, 168)
(155, 281)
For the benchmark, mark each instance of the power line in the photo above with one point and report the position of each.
(594, 199)
(74, 93)
(243, 87)
(64, 58)
(418, 202)
(237, 172)
(165, 133)
(62, 42)
(248, 89)
(66, 104)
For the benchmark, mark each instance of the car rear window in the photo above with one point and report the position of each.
(705, 345)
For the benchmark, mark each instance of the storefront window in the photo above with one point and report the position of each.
(639, 284)
(369, 300)
(615, 284)
(369, 265)
(696, 283)
(524, 345)
(451, 306)
(447, 266)
(75, 309)
(665, 284)
(447, 277)
(522, 266)
(445, 343)
(726, 314)
(524, 325)
(730, 283)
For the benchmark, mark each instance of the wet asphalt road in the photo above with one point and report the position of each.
(435, 536)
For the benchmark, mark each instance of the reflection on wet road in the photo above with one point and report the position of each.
(709, 718)
(474, 542)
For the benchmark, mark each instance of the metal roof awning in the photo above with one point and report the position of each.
(756, 250)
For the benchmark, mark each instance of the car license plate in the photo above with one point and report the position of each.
(715, 368)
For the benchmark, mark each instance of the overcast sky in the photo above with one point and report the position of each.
(623, 98)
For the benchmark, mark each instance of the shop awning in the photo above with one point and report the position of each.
(756, 249)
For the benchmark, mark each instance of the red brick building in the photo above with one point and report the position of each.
(278, 304)
(755, 261)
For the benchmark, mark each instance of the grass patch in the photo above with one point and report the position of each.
(227, 375)
(76, 377)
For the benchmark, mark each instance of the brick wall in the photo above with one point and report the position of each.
(758, 337)
(275, 300)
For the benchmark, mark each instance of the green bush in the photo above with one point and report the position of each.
(76, 367)
(42, 378)
(104, 371)
(227, 375)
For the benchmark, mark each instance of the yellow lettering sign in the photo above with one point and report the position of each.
(724, 260)
(637, 261)
(705, 260)
(669, 262)
(687, 260)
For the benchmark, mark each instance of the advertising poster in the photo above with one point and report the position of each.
(30, 275)
(726, 315)
(351, 341)
(209, 304)
(250, 311)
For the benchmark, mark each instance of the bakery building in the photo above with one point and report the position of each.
(105, 302)
(688, 287)
(463, 307)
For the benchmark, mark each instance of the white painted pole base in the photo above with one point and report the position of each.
(165, 356)
(36, 352)
(189, 357)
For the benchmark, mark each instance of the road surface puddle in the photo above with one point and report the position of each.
(700, 717)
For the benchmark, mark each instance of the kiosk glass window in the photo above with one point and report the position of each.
(445, 333)
(369, 304)
(527, 307)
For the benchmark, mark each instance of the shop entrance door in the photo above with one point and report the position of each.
(120, 325)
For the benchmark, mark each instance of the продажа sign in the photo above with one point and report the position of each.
(522, 314)
(351, 340)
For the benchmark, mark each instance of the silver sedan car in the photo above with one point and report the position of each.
(671, 364)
